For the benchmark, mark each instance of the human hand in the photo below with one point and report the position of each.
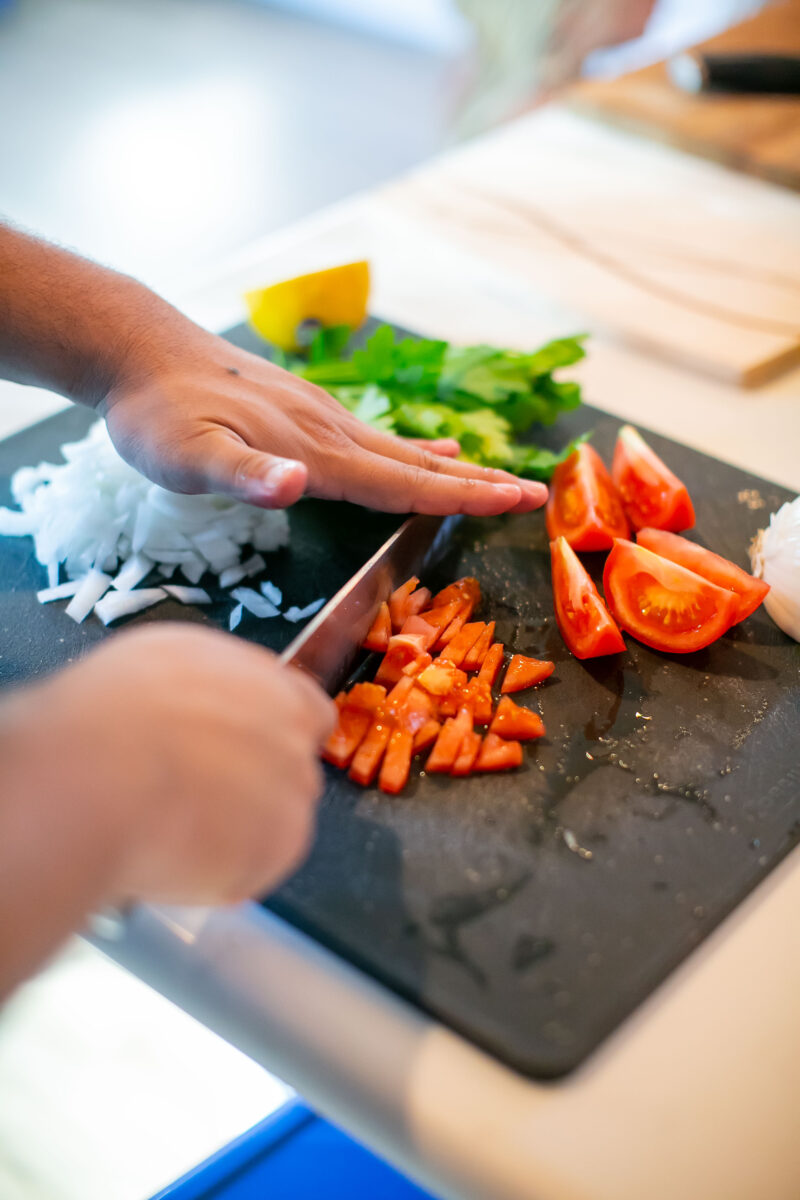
(203, 416)
(198, 754)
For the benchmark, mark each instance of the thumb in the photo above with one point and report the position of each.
(232, 468)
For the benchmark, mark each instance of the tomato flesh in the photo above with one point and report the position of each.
(749, 591)
(513, 721)
(396, 763)
(380, 631)
(584, 505)
(496, 754)
(525, 672)
(652, 495)
(663, 604)
(585, 623)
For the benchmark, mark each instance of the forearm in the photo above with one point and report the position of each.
(61, 844)
(74, 327)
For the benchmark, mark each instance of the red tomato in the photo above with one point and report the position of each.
(652, 495)
(396, 762)
(663, 604)
(380, 631)
(496, 754)
(582, 616)
(749, 591)
(515, 722)
(525, 673)
(584, 506)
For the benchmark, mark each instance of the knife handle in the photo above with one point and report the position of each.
(775, 74)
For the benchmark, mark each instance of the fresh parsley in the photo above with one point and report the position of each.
(484, 396)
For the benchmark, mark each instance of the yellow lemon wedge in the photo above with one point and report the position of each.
(336, 296)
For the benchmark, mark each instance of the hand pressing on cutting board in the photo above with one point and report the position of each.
(196, 414)
(174, 764)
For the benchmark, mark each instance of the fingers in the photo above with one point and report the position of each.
(385, 483)
(225, 464)
(415, 453)
(319, 711)
(445, 447)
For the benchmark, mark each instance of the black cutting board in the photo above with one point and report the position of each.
(532, 911)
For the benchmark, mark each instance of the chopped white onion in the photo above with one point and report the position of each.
(254, 602)
(295, 614)
(232, 575)
(124, 604)
(236, 617)
(94, 585)
(775, 556)
(272, 592)
(187, 595)
(61, 591)
(132, 572)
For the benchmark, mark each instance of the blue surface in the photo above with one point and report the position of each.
(293, 1155)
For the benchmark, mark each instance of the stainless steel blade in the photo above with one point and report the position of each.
(328, 645)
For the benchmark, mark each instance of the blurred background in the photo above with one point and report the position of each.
(160, 136)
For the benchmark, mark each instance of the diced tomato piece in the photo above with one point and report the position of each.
(454, 628)
(526, 673)
(366, 696)
(367, 758)
(466, 588)
(398, 697)
(478, 696)
(662, 604)
(403, 649)
(417, 708)
(440, 618)
(492, 663)
(513, 721)
(582, 617)
(652, 495)
(584, 505)
(474, 660)
(426, 736)
(496, 754)
(749, 591)
(456, 650)
(380, 631)
(420, 628)
(439, 678)
(417, 665)
(396, 762)
(398, 603)
(470, 748)
(351, 727)
(448, 744)
(418, 600)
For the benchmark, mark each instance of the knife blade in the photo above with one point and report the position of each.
(327, 647)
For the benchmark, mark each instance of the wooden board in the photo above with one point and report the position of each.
(671, 254)
(757, 134)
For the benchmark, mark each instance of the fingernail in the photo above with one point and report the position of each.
(509, 491)
(275, 475)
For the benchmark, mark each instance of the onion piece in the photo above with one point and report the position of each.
(775, 557)
(132, 572)
(271, 592)
(61, 591)
(236, 617)
(124, 604)
(187, 595)
(91, 588)
(254, 602)
(295, 614)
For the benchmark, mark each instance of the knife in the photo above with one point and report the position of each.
(327, 647)
(776, 74)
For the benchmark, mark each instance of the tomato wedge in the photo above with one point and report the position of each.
(496, 754)
(467, 755)
(399, 602)
(584, 505)
(663, 604)
(459, 647)
(582, 616)
(513, 721)
(526, 672)
(448, 744)
(475, 658)
(748, 590)
(490, 667)
(652, 495)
